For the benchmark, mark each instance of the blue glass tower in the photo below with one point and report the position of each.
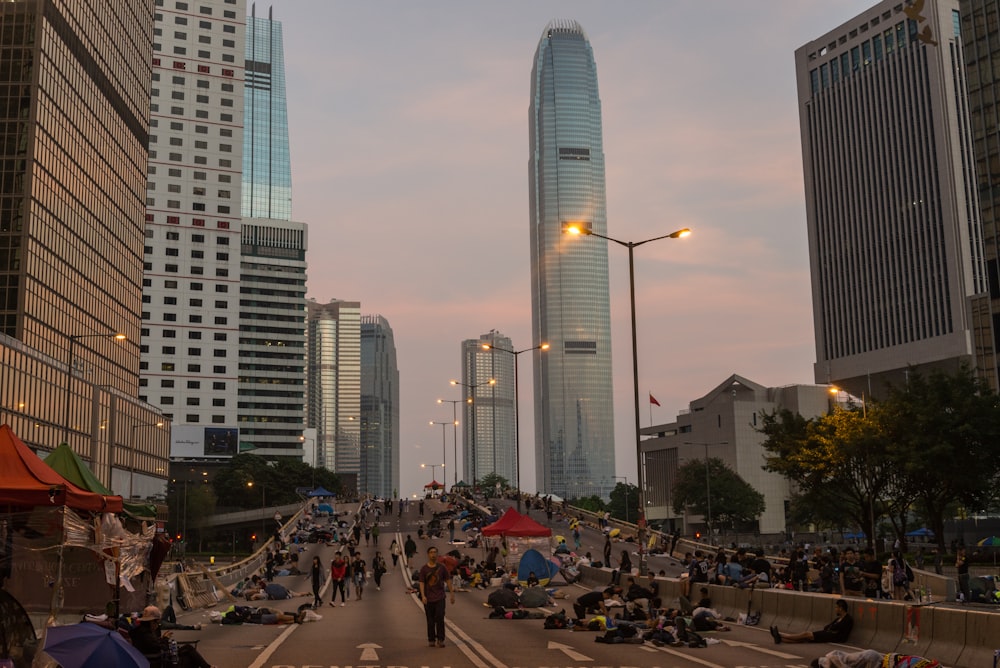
(574, 410)
(267, 171)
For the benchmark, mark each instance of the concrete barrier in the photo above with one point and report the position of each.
(948, 637)
(865, 614)
(768, 603)
(918, 632)
(982, 637)
(724, 601)
(890, 624)
(802, 604)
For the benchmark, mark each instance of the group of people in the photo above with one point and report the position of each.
(347, 573)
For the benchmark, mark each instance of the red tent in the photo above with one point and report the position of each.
(25, 480)
(526, 526)
(503, 524)
(433, 484)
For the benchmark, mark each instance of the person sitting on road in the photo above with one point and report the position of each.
(592, 601)
(836, 631)
(148, 639)
(707, 619)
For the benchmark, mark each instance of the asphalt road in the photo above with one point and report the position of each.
(387, 628)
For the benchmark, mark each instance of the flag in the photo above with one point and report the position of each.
(653, 400)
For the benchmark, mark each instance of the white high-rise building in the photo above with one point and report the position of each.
(190, 336)
(488, 419)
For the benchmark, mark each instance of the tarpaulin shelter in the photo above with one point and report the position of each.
(321, 491)
(506, 521)
(527, 527)
(68, 464)
(25, 480)
(519, 533)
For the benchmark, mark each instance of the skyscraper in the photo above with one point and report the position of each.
(191, 284)
(379, 408)
(267, 170)
(488, 420)
(333, 386)
(74, 130)
(981, 40)
(574, 403)
(895, 236)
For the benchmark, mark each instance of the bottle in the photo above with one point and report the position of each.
(173, 654)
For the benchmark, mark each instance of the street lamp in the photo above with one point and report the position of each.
(131, 467)
(69, 371)
(263, 493)
(444, 456)
(625, 479)
(472, 398)
(708, 484)
(578, 229)
(454, 415)
(517, 413)
(432, 467)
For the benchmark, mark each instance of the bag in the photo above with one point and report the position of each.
(556, 620)
(898, 574)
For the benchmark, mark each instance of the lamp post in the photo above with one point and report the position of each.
(454, 416)
(444, 457)
(432, 467)
(625, 479)
(580, 229)
(69, 372)
(263, 493)
(472, 399)
(132, 455)
(708, 484)
(517, 413)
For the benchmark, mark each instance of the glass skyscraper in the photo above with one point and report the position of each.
(379, 473)
(574, 409)
(488, 420)
(267, 171)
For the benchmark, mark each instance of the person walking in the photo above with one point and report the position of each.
(378, 569)
(433, 581)
(409, 547)
(375, 533)
(338, 573)
(395, 552)
(962, 568)
(358, 575)
(316, 573)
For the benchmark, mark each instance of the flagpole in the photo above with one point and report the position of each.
(650, 411)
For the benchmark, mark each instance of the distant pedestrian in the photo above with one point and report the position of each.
(433, 581)
(316, 573)
(378, 569)
(409, 547)
(395, 552)
(338, 573)
(375, 533)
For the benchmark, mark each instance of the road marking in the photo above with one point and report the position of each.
(368, 652)
(266, 654)
(568, 651)
(688, 657)
(758, 648)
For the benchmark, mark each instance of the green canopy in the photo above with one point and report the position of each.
(66, 463)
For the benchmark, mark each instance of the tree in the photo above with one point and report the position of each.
(624, 503)
(488, 483)
(945, 439)
(594, 504)
(733, 501)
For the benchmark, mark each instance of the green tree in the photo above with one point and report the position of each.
(488, 483)
(594, 504)
(624, 504)
(733, 501)
(944, 436)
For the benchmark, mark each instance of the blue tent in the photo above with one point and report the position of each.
(921, 532)
(320, 491)
(854, 536)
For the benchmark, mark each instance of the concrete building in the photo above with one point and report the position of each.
(574, 403)
(333, 384)
(981, 42)
(191, 282)
(488, 420)
(379, 409)
(75, 129)
(895, 236)
(723, 424)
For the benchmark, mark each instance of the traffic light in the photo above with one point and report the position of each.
(178, 536)
(697, 535)
(253, 537)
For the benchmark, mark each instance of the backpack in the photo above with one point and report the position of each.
(899, 578)
(556, 620)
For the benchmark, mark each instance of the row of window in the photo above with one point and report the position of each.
(173, 172)
(194, 287)
(200, 99)
(204, 25)
(863, 55)
(195, 206)
(196, 222)
(170, 268)
(192, 352)
(203, 9)
(195, 254)
(172, 235)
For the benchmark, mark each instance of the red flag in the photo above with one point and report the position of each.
(653, 400)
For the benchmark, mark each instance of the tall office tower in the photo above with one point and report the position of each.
(981, 40)
(267, 171)
(191, 285)
(488, 420)
(379, 409)
(272, 373)
(272, 354)
(73, 140)
(333, 383)
(895, 237)
(574, 402)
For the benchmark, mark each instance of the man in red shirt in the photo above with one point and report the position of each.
(338, 573)
(434, 578)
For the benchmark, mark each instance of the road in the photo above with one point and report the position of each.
(386, 628)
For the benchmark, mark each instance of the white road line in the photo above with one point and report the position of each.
(272, 648)
(688, 657)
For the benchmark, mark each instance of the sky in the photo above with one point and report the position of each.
(409, 146)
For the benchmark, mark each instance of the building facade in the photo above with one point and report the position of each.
(723, 425)
(191, 300)
(574, 404)
(488, 420)
(981, 41)
(76, 80)
(895, 235)
(379, 472)
(333, 385)
(272, 321)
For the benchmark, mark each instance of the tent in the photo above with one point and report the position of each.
(25, 480)
(68, 464)
(321, 491)
(527, 527)
(433, 484)
(501, 525)
(461, 483)
(921, 532)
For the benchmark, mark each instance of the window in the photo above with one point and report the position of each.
(166, 382)
(197, 286)
(220, 336)
(218, 402)
(194, 336)
(217, 385)
(167, 366)
(198, 271)
(202, 83)
(222, 257)
(221, 304)
(225, 178)
(222, 241)
(194, 319)
(168, 350)
(170, 301)
(176, 173)
(170, 285)
(178, 81)
(170, 251)
(219, 368)
(169, 317)
(191, 417)
(193, 401)
(218, 419)
(194, 368)
(206, 55)
(219, 352)
(167, 401)
(202, 99)
(198, 238)
(197, 254)
(221, 273)
(228, 28)
(172, 268)
(205, 25)
(194, 384)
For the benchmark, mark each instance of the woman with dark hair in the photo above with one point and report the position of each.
(316, 573)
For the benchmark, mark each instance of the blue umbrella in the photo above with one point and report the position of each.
(87, 645)
(922, 531)
(989, 541)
